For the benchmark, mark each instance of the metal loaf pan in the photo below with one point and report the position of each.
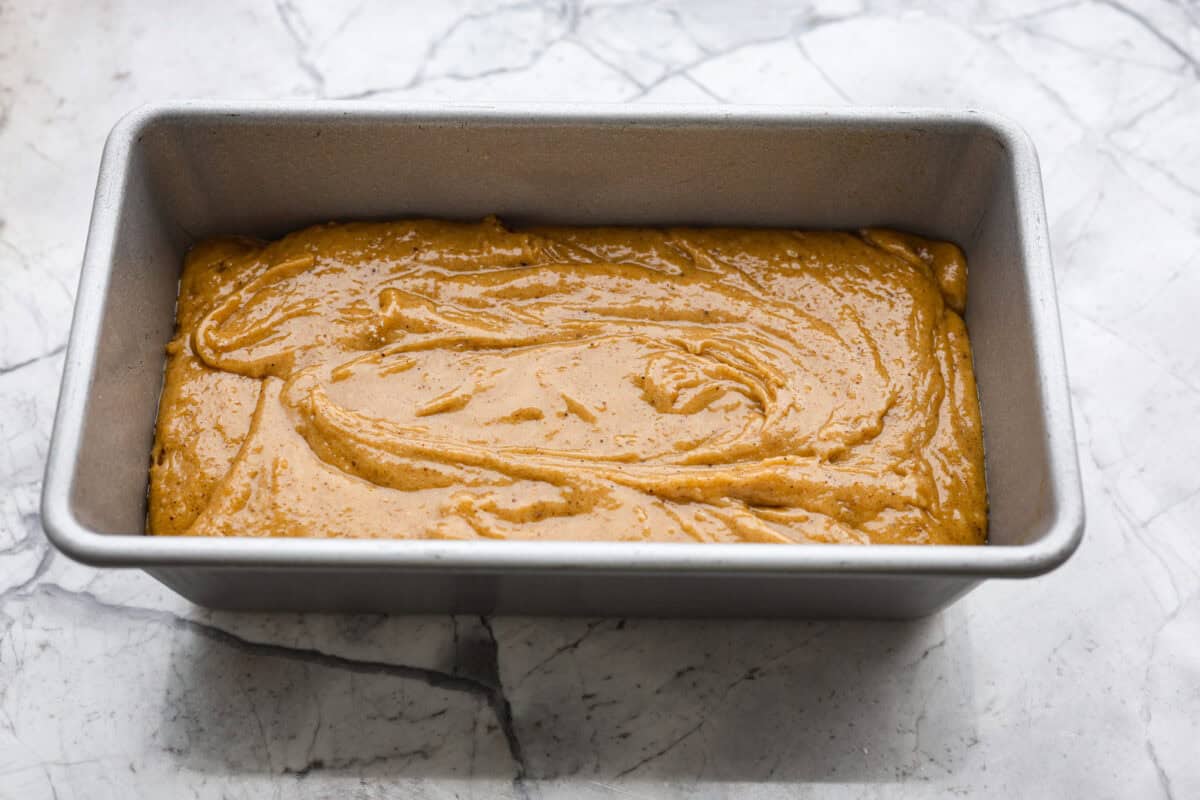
(174, 173)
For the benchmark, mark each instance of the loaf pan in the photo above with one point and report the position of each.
(172, 174)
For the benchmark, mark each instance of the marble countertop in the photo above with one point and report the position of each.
(1082, 683)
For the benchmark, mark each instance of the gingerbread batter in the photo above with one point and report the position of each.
(463, 381)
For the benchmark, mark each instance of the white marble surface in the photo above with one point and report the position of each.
(1083, 683)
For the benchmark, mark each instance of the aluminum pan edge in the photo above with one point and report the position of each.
(136, 550)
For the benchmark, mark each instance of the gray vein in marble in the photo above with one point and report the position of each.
(824, 75)
(1098, 55)
(297, 29)
(1154, 31)
(473, 18)
(1147, 714)
(43, 565)
(1135, 119)
(1165, 172)
(709, 55)
(615, 67)
(7, 368)
(1053, 8)
(687, 76)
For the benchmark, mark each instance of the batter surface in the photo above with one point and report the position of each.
(462, 381)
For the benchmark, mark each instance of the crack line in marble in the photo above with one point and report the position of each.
(493, 694)
(567, 648)
(502, 708)
(668, 748)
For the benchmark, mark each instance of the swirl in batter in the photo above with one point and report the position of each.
(429, 379)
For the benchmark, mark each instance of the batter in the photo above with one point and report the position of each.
(428, 379)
